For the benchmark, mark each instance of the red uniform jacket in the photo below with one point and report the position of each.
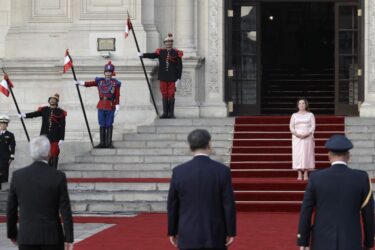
(109, 92)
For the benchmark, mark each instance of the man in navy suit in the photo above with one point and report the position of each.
(339, 195)
(201, 207)
(37, 197)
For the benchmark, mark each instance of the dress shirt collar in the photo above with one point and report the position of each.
(201, 154)
(339, 162)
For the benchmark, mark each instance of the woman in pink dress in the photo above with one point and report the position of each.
(302, 126)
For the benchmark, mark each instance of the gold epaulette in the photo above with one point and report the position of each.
(365, 202)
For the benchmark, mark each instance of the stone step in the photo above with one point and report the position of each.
(183, 129)
(175, 159)
(151, 151)
(111, 207)
(171, 137)
(121, 196)
(115, 167)
(114, 186)
(119, 174)
(167, 144)
(195, 122)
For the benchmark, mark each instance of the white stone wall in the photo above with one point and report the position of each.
(35, 33)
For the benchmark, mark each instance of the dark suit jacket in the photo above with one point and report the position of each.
(201, 207)
(41, 193)
(337, 194)
(7, 146)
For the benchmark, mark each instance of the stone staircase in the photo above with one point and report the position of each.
(134, 177)
(362, 133)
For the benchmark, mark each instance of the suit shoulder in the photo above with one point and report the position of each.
(118, 83)
(41, 109)
(98, 79)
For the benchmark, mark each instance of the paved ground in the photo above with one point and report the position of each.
(81, 232)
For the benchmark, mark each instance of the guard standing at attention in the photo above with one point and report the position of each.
(170, 71)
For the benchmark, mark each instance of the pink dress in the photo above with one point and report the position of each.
(303, 150)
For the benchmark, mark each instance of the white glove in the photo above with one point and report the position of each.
(178, 83)
(140, 54)
(22, 115)
(117, 110)
(61, 142)
(80, 83)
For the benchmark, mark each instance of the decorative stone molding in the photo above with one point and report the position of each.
(186, 85)
(213, 39)
(108, 10)
(51, 11)
(371, 45)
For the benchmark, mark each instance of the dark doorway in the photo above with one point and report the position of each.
(298, 56)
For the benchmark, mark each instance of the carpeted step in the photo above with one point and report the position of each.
(270, 206)
(269, 195)
(268, 184)
(285, 128)
(319, 142)
(280, 135)
(285, 120)
(271, 150)
(270, 157)
(264, 173)
(271, 165)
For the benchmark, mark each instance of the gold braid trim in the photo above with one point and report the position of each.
(368, 196)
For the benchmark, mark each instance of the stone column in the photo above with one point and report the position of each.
(213, 101)
(367, 108)
(185, 37)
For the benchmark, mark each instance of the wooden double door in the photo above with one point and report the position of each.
(278, 51)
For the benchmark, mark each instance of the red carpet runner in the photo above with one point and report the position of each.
(261, 161)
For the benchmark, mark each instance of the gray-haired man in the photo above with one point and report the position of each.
(40, 192)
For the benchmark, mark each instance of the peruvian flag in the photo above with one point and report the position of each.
(67, 62)
(5, 84)
(128, 27)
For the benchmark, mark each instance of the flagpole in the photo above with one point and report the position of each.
(17, 107)
(144, 69)
(80, 100)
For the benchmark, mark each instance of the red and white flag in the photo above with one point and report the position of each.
(67, 62)
(128, 27)
(5, 85)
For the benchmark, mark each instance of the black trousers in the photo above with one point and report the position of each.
(4, 170)
(42, 247)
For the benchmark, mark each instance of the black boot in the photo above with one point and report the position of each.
(171, 109)
(50, 161)
(55, 161)
(108, 138)
(165, 109)
(102, 138)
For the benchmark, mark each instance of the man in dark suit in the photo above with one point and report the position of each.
(201, 207)
(40, 192)
(339, 195)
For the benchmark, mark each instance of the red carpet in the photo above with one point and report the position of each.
(257, 231)
(261, 161)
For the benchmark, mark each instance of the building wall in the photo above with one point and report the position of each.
(34, 35)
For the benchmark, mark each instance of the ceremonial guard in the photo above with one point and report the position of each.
(7, 149)
(170, 71)
(338, 197)
(109, 102)
(53, 126)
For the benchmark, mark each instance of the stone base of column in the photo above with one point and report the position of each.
(367, 109)
(214, 110)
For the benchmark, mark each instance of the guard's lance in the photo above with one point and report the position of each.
(17, 107)
(143, 66)
(80, 100)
